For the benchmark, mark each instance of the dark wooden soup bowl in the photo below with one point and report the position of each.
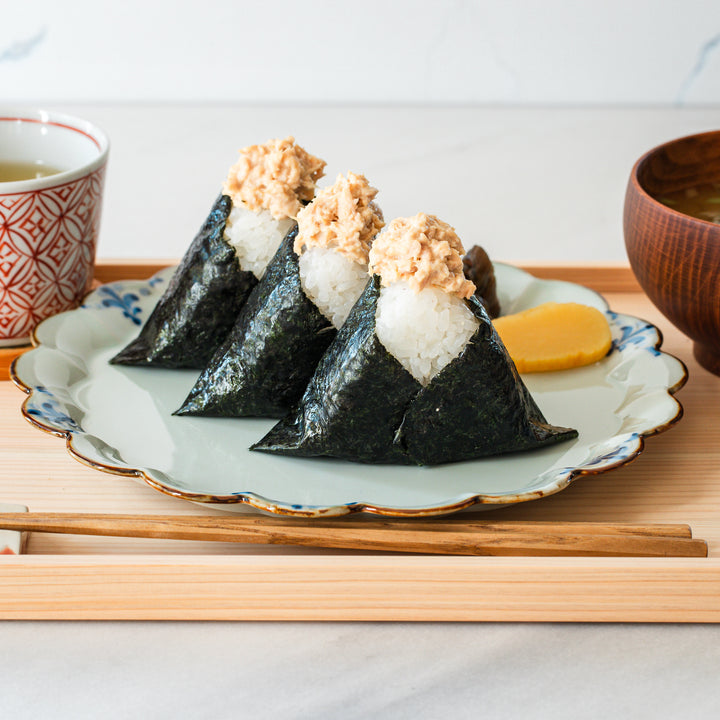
(676, 257)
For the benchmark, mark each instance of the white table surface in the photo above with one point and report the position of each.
(528, 184)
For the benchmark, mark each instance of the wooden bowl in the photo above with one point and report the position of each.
(676, 257)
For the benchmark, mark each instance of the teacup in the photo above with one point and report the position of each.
(52, 168)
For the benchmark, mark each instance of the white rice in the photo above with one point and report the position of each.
(332, 281)
(424, 330)
(255, 235)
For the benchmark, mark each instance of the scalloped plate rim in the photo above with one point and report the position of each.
(254, 501)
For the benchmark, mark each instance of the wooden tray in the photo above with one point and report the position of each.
(676, 479)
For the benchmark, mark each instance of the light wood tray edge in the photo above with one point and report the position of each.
(360, 588)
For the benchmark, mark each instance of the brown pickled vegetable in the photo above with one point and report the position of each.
(479, 269)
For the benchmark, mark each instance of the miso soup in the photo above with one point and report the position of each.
(701, 201)
(14, 171)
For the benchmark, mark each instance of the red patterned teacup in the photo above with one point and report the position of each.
(48, 222)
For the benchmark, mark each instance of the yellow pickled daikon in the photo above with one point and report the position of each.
(555, 336)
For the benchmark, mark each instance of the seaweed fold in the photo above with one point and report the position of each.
(361, 404)
(200, 305)
(264, 364)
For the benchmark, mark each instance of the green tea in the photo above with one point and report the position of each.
(14, 171)
(701, 201)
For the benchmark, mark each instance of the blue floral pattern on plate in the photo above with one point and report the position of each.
(117, 295)
(48, 410)
(633, 331)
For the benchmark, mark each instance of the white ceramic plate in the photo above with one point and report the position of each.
(120, 420)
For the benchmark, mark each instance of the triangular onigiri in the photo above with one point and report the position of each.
(200, 305)
(363, 405)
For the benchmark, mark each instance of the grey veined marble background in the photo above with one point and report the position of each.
(377, 51)
(517, 121)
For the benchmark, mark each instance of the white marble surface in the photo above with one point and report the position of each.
(219, 671)
(528, 184)
(405, 51)
(543, 185)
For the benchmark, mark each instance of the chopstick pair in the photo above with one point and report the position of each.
(445, 536)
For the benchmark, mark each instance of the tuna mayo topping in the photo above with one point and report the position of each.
(422, 251)
(278, 176)
(342, 217)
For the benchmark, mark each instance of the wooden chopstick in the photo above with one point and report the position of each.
(463, 521)
(451, 536)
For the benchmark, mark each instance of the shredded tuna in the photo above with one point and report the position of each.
(278, 176)
(342, 217)
(424, 252)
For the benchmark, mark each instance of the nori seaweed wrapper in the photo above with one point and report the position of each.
(264, 364)
(476, 405)
(355, 400)
(200, 305)
(363, 405)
